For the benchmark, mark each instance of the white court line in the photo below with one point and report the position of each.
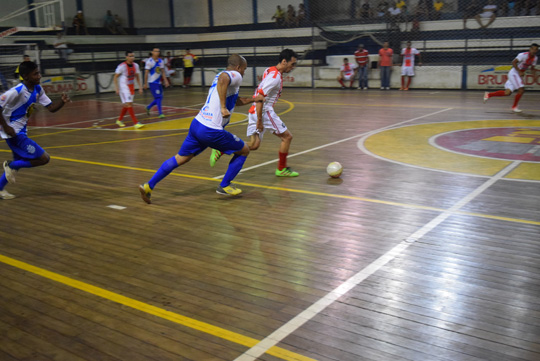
(339, 141)
(281, 333)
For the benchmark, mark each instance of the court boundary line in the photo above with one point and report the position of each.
(309, 313)
(147, 308)
(338, 141)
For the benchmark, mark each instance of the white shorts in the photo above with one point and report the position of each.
(170, 72)
(407, 71)
(514, 81)
(271, 122)
(348, 76)
(125, 95)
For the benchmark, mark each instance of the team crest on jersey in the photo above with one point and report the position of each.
(30, 111)
(30, 149)
(3, 97)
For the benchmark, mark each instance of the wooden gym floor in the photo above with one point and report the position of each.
(425, 249)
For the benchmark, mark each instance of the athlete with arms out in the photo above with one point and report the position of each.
(521, 63)
(16, 107)
(206, 130)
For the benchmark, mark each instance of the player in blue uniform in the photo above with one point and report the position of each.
(153, 75)
(206, 130)
(16, 106)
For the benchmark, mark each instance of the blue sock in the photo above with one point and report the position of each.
(167, 167)
(151, 104)
(237, 162)
(18, 164)
(3, 182)
(158, 101)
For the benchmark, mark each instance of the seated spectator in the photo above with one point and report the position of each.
(290, 18)
(108, 22)
(508, 7)
(382, 10)
(118, 25)
(79, 23)
(61, 46)
(301, 15)
(365, 11)
(472, 11)
(437, 8)
(394, 13)
(489, 11)
(347, 72)
(279, 16)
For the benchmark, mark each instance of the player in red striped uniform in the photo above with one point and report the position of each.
(521, 63)
(362, 60)
(124, 79)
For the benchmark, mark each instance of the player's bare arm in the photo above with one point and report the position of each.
(116, 83)
(146, 78)
(223, 82)
(139, 82)
(9, 130)
(164, 78)
(58, 104)
(245, 101)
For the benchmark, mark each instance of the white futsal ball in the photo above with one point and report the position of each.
(334, 169)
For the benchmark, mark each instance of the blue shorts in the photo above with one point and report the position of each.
(157, 90)
(201, 137)
(24, 148)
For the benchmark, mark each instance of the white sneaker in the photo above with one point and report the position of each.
(359, 88)
(387, 88)
(382, 88)
(10, 173)
(486, 97)
(514, 109)
(6, 195)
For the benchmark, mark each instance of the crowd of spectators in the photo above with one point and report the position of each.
(290, 18)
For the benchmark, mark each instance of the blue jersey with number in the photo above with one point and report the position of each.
(210, 114)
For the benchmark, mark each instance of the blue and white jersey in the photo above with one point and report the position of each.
(210, 114)
(17, 105)
(155, 67)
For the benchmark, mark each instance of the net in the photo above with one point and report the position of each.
(11, 55)
(44, 15)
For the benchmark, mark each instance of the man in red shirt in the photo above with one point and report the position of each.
(385, 65)
(362, 59)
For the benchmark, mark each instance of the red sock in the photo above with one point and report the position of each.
(282, 160)
(188, 80)
(516, 99)
(132, 115)
(341, 82)
(498, 93)
(408, 82)
(403, 82)
(122, 113)
(350, 85)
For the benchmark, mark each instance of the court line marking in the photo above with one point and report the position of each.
(292, 325)
(302, 191)
(153, 310)
(339, 141)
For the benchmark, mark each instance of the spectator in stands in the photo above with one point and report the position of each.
(385, 65)
(362, 60)
(189, 61)
(17, 75)
(108, 22)
(61, 46)
(290, 18)
(301, 15)
(489, 11)
(382, 10)
(279, 16)
(422, 10)
(347, 72)
(394, 13)
(437, 8)
(366, 12)
(507, 7)
(79, 23)
(472, 11)
(118, 25)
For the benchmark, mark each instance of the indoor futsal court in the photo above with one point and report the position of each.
(425, 249)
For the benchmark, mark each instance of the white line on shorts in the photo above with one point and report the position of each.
(288, 328)
(340, 141)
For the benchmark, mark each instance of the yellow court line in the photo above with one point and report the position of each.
(301, 191)
(153, 310)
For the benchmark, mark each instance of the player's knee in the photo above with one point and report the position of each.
(45, 158)
(245, 151)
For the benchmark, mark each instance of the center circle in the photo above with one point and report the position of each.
(509, 143)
